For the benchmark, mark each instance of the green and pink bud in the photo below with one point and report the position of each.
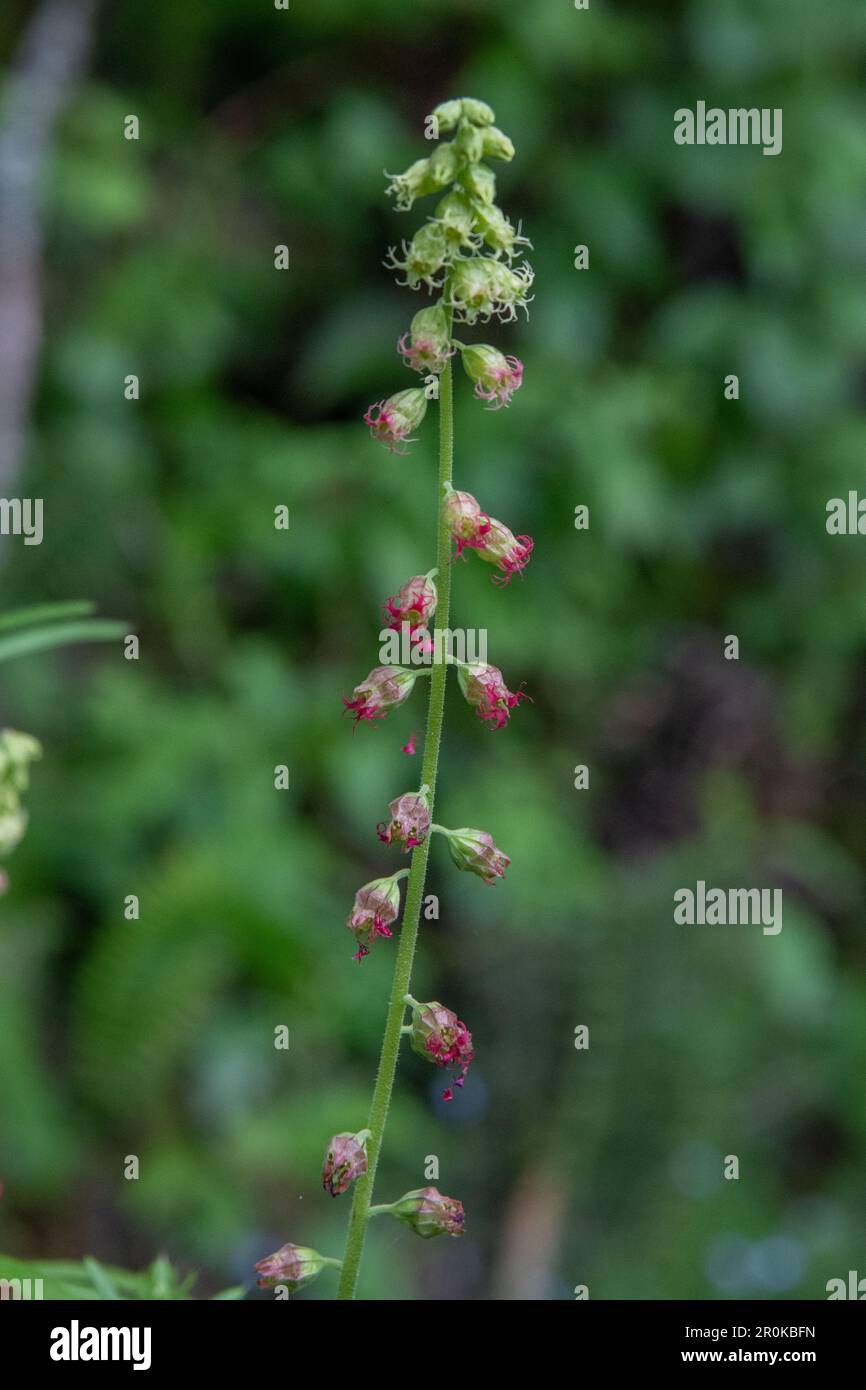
(496, 377)
(427, 346)
(427, 1212)
(475, 851)
(439, 1036)
(484, 689)
(465, 520)
(345, 1160)
(392, 421)
(414, 603)
(292, 1266)
(384, 689)
(509, 553)
(376, 907)
(409, 823)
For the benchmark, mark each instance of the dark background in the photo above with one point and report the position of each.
(154, 1037)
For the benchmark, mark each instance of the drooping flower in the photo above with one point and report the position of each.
(376, 906)
(465, 520)
(409, 824)
(496, 377)
(424, 257)
(413, 183)
(345, 1160)
(427, 346)
(484, 688)
(439, 1036)
(481, 287)
(475, 851)
(383, 689)
(480, 183)
(414, 603)
(429, 1213)
(491, 225)
(510, 553)
(291, 1265)
(392, 421)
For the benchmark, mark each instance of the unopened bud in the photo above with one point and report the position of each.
(291, 1265)
(469, 141)
(495, 145)
(447, 114)
(475, 851)
(429, 1213)
(477, 111)
(479, 182)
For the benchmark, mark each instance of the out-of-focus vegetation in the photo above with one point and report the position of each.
(155, 1037)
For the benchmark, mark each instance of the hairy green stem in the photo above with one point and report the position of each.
(415, 888)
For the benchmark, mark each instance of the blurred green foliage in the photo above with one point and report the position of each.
(154, 1037)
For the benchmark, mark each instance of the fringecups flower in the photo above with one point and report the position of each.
(345, 1160)
(376, 906)
(414, 183)
(428, 1213)
(481, 288)
(291, 1265)
(438, 1035)
(424, 257)
(484, 688)
(465, 520)
(475, 851)
(414, 603)
(458, 217)
(409, 822)
(510, 553)
(392, 421)
(17, 752)
(496, 377)
(427, 346)
(384, 689)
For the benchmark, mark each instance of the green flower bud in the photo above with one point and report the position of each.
(429, 1213)
(292, 1266)
(479, 182)
(427, 345)
(457, 217)
(447, 114)
(469, 142)
(477, 111)
(445, 163)
(491, 223)
(496, 145)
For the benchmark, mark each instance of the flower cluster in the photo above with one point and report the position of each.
(465, 254)
(472, 529)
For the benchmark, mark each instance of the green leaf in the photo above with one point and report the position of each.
(60, 635)
(44, 613)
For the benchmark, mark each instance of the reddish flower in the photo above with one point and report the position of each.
(429, 1213)
(393, 420)
(384, 688)
(409, 747)
(376, 906)
(345, 1160)
(508, 552)
(466, 521)
(427, 346)
(414, 603)
(439, 1036)
(409, 823)
(475, 851)
(292, 1265)
(496, 377)
(484, 688)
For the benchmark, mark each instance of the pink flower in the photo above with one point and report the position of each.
(496, 377)
(485, 689)
(410, 746)
(393, 420)
(291, 1265)
(475, 851)
(376, 906)
(384, 688)
(345, 1160)
(427, 346)
(439, 1036)
(508, 552)
(466, 521)
(409, 823)
(414, 603)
